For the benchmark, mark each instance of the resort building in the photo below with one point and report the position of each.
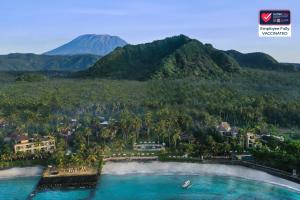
(32, 145)
(148, 146)
(225, 130)
(251, 140)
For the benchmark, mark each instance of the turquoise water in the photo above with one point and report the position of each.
(149, 187)
(17, 188)
(204, 187)
(80, 194)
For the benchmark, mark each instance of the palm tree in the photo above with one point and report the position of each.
(118, 145)
(105, 134)
(161, 130)
(75, 160)
(148, 122)
(125, 123)
(212, 144)
(176, 137)
(88, 133)
(92, 157)
(137, 124)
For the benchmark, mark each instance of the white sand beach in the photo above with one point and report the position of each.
(171, 168)
(21, 172)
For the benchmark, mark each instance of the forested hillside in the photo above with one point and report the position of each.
(178, 57)
(174, 57)
(260, 61)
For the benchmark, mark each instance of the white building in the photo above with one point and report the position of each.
(43, 144)
(250, 140)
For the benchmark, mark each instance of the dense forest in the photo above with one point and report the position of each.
(160, 110)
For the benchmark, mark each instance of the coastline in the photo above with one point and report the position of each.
(168, 168)
(16, 172)
(180, 168)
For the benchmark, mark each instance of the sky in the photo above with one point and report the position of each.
(37, 26)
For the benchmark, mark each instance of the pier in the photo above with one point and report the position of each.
(69, 177)
(65, 178)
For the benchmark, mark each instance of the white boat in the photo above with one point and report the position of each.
(186, 184)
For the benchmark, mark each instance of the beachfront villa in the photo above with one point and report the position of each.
(32, 145)
(148, 146)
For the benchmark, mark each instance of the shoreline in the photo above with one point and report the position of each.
(126, 167)
(180, 168)
(19, 172)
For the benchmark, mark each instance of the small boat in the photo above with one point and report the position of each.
(186, 184)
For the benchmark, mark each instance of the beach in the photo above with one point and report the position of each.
(178, 168)
(158, 180)
(21, 172)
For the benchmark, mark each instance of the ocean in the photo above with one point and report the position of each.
(158, 181)
(153, 186)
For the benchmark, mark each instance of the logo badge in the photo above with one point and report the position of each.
(266, 16)
(274, 23)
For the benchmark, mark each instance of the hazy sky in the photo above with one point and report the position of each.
(38, 25)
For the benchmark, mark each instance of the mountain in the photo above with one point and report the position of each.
(89, 44)
(33, 62)
(260, 61)
(177, 56)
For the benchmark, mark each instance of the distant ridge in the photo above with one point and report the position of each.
(34, 62)
(89, 44)
(260, 60)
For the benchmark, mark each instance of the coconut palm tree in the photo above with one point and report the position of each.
(148, 122)
(105, 134)
(137, 124)
(176, 137)
(125, 123)
(88, 133)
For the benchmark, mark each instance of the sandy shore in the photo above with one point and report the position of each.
(21, 172)
(171, 168)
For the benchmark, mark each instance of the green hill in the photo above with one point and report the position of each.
(34, 62)
(174, 57)
(178, 57)
(260, 61)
